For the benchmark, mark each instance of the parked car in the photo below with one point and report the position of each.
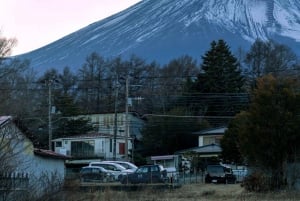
(125, 164)
(96, 174)
(146, 174)
(219, 174)
(117, 169)
(240, 174)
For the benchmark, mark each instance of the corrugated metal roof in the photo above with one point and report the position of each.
(165, 157)
(212, 131)
(206, 149)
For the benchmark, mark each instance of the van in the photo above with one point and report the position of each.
(219, 174)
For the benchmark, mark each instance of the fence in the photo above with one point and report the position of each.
(186, 178)
(199, 177)
(14, 181)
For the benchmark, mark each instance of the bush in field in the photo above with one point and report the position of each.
(256, 182)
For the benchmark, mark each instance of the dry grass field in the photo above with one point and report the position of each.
(187, 192)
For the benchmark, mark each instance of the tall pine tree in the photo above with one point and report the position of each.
(220, 81)
(220, 70)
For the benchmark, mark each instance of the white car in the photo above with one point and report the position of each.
(125, 164)
(117, 169)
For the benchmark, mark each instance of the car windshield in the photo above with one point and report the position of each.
(109, 166)
(124, 164)
(215, 169)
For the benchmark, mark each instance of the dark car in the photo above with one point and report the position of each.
(219, 174)
(146, 174)
(95, 174)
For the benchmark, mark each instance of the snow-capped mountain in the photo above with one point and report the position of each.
(162, 30)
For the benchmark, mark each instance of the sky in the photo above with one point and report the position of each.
(36, 23)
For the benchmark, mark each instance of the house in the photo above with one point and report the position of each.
(205, 151)
(24, 167)
(105, 123)
(208, 149)
(208, 143)
(210, 136)
(92, 146)
(107, 140)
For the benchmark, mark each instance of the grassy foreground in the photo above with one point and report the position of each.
(188, 192)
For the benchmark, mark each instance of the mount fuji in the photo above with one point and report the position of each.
(162, 30)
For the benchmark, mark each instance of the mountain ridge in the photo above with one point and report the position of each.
(166, 29)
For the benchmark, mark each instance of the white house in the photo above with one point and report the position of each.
(105, 123)
(24, 167)
(208, 143)
(106, 141)
(210, 136)
(87, 147)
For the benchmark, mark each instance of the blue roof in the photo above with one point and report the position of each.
(212, 131)
(206, 149)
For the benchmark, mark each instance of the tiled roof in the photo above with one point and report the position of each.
(50, 154)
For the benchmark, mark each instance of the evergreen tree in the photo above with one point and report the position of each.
(220, 71)
(220, 82)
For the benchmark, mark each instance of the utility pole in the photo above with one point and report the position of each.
(126, 119)
(49, 114)
(115, 122)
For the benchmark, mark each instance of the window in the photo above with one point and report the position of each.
(209, 140)
(142, 170)
(110, 145)
(83, 148)
(95, 170)
(58, 144)
(154, 169)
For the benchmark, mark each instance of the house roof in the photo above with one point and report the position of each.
(4, 119)
(164, 157)
(50, 154)
(204, 150)
(212, 131)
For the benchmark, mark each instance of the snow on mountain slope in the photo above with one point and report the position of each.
(162, 30)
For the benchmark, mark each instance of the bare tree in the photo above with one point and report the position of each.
(269, 57)
(6, 46)
(12, 146)
(92, 83)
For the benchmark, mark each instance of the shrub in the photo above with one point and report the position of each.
(256, 182)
